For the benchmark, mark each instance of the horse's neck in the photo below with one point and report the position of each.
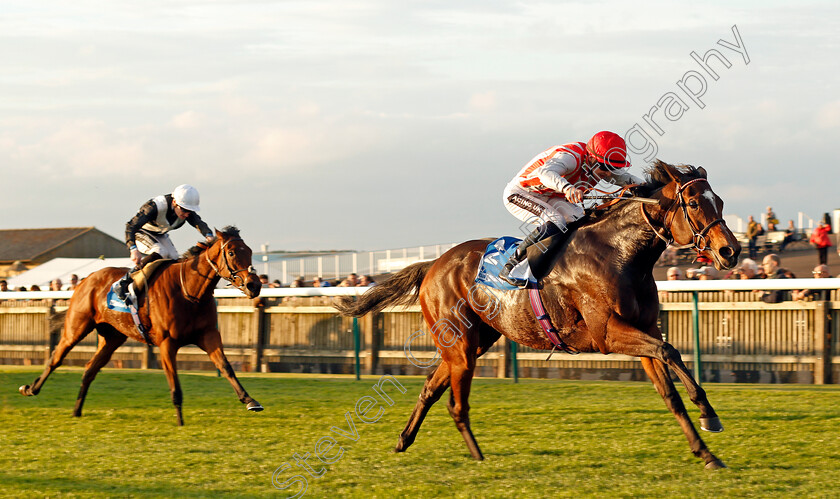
(199, 277)
(634, 241)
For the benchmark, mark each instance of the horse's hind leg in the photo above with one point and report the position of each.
(168, 354)
(460, 377)
(212, 344)
(658, 373)
(76, 327)
(436, 384)
(111, 341)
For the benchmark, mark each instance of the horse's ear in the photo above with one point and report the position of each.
(702, 171)
(218, 234)
(671, 171)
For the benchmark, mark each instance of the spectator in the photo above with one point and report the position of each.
(351, 281)
(707, 273)
(264, 280)
(74, 282)
(790, 236)
(749, 269)
(771, 217)
(21, 288)
(55, 285)
(297, 283)
(318, 282)
(753, 231)
(34, 287)
(674, 274)
(366, 281)
(773, 270)
(820, 239)
(771, 227)
(819, 272)
(276, 283)
(4, 286)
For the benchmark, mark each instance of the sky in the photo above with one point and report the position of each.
(326, 124)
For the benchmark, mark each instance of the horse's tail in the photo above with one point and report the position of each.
(57, 321)
(397, 290)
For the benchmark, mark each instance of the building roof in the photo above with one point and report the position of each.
(61, 268)
(27, 244)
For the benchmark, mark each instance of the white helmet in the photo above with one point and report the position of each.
(186, 196)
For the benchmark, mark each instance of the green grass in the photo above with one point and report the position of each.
(540, 439)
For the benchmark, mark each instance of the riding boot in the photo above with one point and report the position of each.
(544, 231)
(542, 263)
(122, 287)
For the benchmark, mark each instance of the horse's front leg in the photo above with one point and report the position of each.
(211, 342)
(655, 354)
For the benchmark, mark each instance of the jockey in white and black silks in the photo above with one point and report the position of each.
(546, 192)
(146, 233)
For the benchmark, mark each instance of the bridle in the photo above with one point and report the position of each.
(699, 240)
(233, 274)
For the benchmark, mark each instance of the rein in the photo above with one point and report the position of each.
(232, 277)
(698, 235)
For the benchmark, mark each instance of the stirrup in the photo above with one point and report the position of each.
(513, 281)
(122, 286)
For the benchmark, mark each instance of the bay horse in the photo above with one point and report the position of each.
(179, 309)
(600, 295)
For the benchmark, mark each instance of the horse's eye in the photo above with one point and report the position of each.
(693, 204)
(230, 253)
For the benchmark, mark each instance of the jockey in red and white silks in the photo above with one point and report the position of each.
(545, 190)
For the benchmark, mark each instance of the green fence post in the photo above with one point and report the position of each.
(357, 346)
(514, 362)
(698, 368)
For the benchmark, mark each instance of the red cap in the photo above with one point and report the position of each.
(609, 148)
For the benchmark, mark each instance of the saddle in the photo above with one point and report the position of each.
(143, 277)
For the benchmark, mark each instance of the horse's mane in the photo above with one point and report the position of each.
(229, 231)
(656, 177)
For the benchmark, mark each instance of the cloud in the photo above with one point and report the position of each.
(828, 115)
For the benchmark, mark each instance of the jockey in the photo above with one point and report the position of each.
(146, 233)
(546, 191)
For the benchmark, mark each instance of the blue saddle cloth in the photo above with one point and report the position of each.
(114, 302)
(495, 256)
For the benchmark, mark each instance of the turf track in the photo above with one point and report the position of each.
(541, 438)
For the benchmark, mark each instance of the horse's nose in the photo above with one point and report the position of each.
(254, 287)
(729, 254)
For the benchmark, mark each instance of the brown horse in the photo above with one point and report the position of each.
(600, 295)
(179, 308)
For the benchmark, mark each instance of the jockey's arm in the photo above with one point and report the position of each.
(552, 173)
(147, 213)
(196, 221)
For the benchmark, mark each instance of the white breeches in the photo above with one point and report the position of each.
(537, 209)
(159, 243)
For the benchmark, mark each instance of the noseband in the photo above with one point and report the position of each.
(698, 235)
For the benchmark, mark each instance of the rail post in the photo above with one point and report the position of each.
(514, 362)
(357, 346)
(698, 368)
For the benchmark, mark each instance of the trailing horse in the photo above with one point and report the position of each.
(600, 294)
(179, 310)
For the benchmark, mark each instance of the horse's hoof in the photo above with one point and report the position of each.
(711, 424)
(24, 390)
(717, 464)
(254, 406)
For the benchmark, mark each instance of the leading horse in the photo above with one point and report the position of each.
(179, 307)
(600, 294)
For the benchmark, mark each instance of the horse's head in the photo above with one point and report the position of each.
(693, 214)
(232, 261)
